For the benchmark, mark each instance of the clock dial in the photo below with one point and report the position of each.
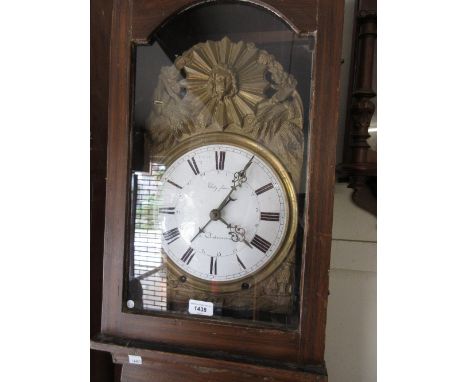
(224, 212)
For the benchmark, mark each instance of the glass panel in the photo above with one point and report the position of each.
(218, 167)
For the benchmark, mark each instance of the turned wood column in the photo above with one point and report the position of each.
(357, 166)
(363, 108)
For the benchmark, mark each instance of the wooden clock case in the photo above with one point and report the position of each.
(176, 348)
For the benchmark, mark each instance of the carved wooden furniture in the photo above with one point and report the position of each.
(248, 78)
(359, 162)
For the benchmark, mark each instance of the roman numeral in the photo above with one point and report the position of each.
(167, 210)
(270, 216)
(263, 189)
(171, 235)
(193, 166)
(214, 266)
(220, 160)
(260, 243)
(188, 256)
(240, 262)
(174, 184)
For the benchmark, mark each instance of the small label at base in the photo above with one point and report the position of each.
(135, 359)
(202, 308)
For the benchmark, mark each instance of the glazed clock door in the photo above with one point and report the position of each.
(222, 133)
(219, 195)
(217, 182)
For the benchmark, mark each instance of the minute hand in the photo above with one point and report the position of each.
(241, 175)
(248, 163)
(239, 178)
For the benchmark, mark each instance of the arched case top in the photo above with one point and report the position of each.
(147, 16)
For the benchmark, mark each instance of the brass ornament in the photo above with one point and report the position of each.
(231, 87)
(228, 86)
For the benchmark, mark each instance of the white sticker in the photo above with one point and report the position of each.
(203, 308)
(135, 359)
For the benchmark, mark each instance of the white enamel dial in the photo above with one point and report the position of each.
(211, 240)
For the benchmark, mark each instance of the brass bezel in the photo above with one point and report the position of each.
(285, 246)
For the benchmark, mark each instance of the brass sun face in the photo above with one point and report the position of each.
(222, 82)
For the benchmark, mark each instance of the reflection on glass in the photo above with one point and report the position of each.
(148, 262)
(218, 185)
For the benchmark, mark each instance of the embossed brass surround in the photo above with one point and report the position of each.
(288, 240)
(232, 87)
(194, 98)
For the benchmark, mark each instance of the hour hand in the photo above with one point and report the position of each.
(225, 202)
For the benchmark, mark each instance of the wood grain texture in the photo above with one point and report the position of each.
(118, 161)
(208, 335)
(101, 367)
(100, 40)
(134, 21)
(148, 14)
(161, 373)
(169, 366)
(321, 179)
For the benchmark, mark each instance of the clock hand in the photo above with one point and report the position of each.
(214, 215)
(224, 203)
(248, 164)
(149, 273)
(239, 177)
(200, 230)
(237, 233)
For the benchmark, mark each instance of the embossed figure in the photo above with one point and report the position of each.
(222, 82)
(225, 89)
(227, 86)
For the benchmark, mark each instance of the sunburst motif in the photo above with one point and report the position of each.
(224, 81)
(227, 86)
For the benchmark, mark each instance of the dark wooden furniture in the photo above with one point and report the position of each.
(175, 349)
(359, 165)
(101, 12)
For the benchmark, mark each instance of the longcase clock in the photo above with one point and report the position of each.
(222, 134)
